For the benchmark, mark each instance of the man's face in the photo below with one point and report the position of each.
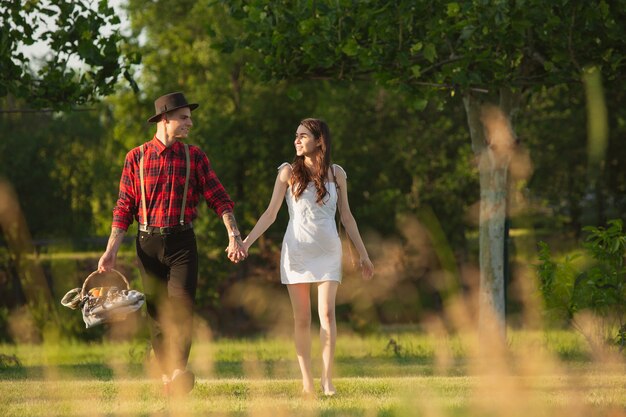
(178, 123)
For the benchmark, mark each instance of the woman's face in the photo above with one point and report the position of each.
(305, 142)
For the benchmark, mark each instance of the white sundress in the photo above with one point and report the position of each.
(311, 250)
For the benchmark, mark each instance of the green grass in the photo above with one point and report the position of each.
(540, 374)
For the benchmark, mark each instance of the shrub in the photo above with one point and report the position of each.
(597, 286)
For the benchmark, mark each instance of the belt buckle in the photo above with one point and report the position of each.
(164, 230)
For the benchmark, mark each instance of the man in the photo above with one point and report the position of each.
(161, 185)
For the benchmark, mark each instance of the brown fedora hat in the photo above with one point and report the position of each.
(169, 102)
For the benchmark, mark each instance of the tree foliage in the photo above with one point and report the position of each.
(474, 44)
(554, 129)
(88, 54)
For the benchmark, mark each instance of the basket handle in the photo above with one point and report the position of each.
(96, 272)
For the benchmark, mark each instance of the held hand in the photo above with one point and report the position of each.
(246, 245)
(236, 250)
(240, 253)
(106, 262)
(367, 269)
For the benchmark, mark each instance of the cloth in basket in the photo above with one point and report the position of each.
(106, 303)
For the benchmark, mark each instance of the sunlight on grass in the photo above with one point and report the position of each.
(544, 374)
(372, 396)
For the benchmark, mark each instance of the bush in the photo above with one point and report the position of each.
(597, 286)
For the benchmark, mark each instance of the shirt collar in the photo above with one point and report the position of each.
(160, 148)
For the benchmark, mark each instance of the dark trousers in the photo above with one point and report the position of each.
(169, 270)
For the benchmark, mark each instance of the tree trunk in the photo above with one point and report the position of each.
(31, 276)
(493, 142)
(493, 191)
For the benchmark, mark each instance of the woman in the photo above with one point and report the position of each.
(311, 251)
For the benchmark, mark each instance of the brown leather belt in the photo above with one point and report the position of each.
(165, 230)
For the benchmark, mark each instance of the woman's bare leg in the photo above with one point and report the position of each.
(300, 295)
(326, 294)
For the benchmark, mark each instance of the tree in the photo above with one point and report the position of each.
(498, 52)
(86, 59)
(88, 54)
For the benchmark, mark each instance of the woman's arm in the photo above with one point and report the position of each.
(348, 221)
(269, 216)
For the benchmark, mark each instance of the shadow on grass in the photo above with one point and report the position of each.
(360, 412)
(83, 371)
(346, 367)
(574, 356)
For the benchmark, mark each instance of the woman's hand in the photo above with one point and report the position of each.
(246, 245)
(367, 268)
(236, 250)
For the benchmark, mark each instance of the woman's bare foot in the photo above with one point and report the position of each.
(328, 388)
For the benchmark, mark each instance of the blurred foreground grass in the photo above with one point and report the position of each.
(389, 374)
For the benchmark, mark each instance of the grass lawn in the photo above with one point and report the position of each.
(390, 374)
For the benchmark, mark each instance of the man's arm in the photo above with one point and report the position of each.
(107, 260)
(123, 214)
(236, 251)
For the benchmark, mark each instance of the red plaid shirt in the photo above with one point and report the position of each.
(164, 181)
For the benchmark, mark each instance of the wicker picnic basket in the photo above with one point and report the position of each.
(104, 298)
(100, 279)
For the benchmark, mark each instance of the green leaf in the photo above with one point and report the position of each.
(453, 9)
(416, 47)
(420, 103)
(102, 6)
(416, 70)
(48, 12)
(131, 81)
(294, 93)
(604, 9)
(307, 26)
(350, 48)
(430, 53)
(467, 32)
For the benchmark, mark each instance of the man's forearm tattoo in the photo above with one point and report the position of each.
(230, 222)
(116, 238)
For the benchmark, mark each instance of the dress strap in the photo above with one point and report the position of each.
(335, 166)
(283, 165)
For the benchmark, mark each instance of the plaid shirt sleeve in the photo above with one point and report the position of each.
(126, 208)
(211, 188)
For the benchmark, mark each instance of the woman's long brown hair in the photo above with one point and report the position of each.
(321, 162)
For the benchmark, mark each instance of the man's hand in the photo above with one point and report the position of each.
(107, 261)
(236, 249)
